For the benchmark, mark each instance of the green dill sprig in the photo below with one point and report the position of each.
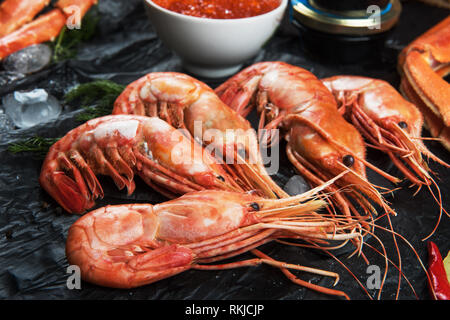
(36, 145)
(65, 46)
(97, 98)
(98, 90)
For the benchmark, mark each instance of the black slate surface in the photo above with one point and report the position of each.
(32, 235)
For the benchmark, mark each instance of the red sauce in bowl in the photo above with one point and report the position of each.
(220, 9)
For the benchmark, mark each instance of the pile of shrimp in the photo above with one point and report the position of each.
(161, 130)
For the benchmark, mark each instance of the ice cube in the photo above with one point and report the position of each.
(29, 60)
(29, 108)
(31, 97)
(296, 185)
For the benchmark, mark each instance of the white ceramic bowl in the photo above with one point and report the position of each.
(214, 47)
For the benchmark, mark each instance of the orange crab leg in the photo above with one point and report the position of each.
(423, 64)
(14, 14)
(45, 28)
(425, 81)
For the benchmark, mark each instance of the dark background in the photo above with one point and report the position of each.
(32, 234)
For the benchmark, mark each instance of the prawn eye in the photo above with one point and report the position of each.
(221, 178)
(403, 124)
(255, 206)
(348, 160)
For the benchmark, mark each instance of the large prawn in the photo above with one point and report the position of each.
(191, 105)
(389, 123)
(133, 245)
(320, 143)
(121, 146)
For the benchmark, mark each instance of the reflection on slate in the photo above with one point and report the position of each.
(33, 229)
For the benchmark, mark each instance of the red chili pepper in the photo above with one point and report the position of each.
(438, 276)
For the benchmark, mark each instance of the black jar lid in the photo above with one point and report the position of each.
(347, 17)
